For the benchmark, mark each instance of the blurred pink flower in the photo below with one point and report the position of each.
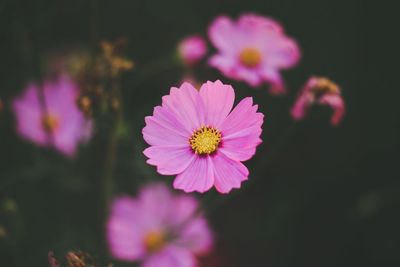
(54, 120)
(196, 136)
(253, 49)
(319, 91)
(192, 49)
(158, 228)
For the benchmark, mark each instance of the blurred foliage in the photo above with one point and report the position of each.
(317, 195)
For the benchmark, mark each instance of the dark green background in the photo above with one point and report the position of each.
(317, 195)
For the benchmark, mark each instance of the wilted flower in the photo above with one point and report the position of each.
(73, 259)
(115, 63)
(192, 49)
(158, 229)
(195, 136)
(319, 91)
(48, 115)
(254, 49)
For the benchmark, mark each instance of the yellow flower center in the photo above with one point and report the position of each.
(50, 122)
(325, 86)
(250, 57)
(205, 140)
(154, 241)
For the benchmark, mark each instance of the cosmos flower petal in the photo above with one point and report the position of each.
(300, 107)
(241, 148)
(222, 34)
(218, 101)
(125, 240)
(229, 174)
(62, 91)
(154, 199)
(226, 64)
(191, 110)
(29, 116)
(243, 116)
(169, 159)
(198, 176)
(275, 79)
(286, 53)
(337, 104)
(169, 121)
(171, 256)
(253, 21)
(197, 236)
(157, 134)
(185, 207)
(248, 75)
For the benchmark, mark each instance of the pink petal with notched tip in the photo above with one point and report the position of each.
(218, 101)
(190, 111)
(169, 159)
(243, 116)
(198, 176)
(228, 173)
(241, 148)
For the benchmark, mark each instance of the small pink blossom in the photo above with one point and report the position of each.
(158, 228)
(192, 49)
(54, 121)
(319, 91)
(253, 49)
(198, 137)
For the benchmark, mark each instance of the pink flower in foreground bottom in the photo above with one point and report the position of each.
(319, 91)
(158, 228)
(54, 121)
(196, 136)
(253, 49)
(192, 49)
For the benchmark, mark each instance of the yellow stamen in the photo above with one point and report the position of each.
(325, 86)
(50, 122)
(205, 140)
(250, 57)
(154, 241)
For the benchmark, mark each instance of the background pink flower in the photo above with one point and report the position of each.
(158, 228)
(253, 49)
(192, 49)
(319, 91)
(54, 120)
(196, 136)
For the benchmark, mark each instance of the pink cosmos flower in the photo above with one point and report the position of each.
(54, 120)
(253, 49)
(196, 136)
(158, 228)
(319, 91)
(192, 49)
